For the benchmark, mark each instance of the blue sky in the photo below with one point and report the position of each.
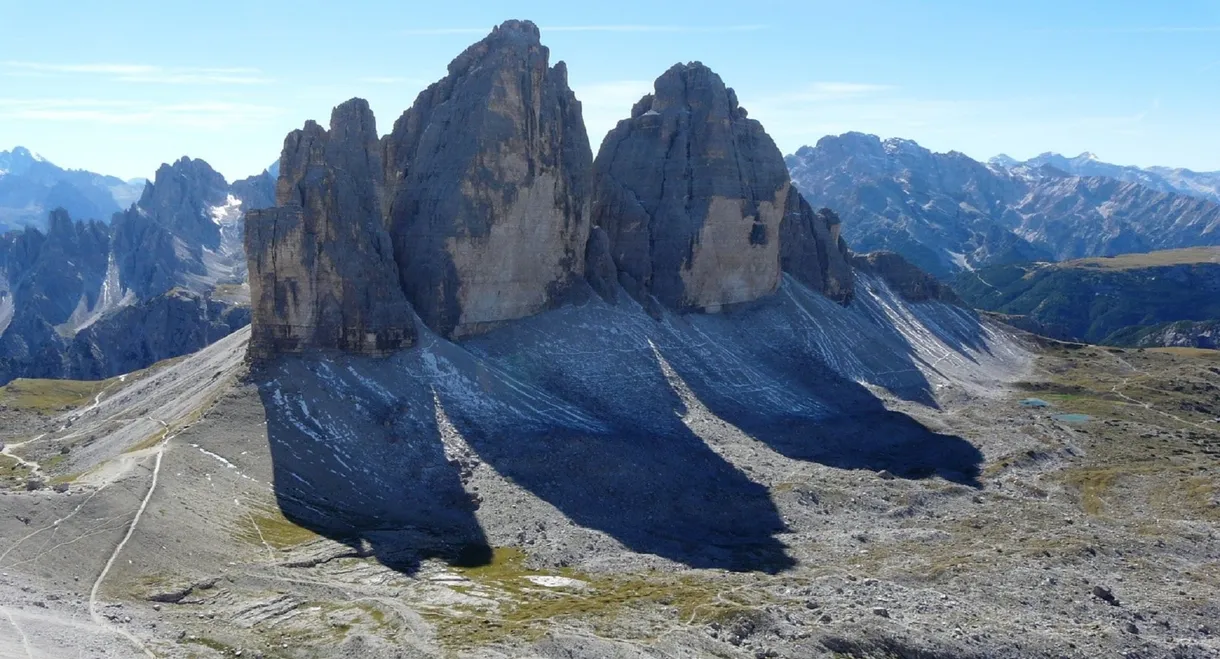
(122, 86)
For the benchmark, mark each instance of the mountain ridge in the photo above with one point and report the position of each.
(1166, 298)
(1205, 185)
(947, 212)
(89, 299)
(496, 210)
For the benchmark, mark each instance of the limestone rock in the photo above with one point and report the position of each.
(812, 251)
(487, 173)
(907, 280)
(256, 191)
(691, 193)
(322, 275)
(177, 196)
(599, 265)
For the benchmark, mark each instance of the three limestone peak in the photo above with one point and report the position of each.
(484, 205)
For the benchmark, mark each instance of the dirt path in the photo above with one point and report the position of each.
(25, 640)
(34, 467)
(98, 618)
(1149, 406)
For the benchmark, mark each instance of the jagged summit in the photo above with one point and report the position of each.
(692, 193)
(86, 299)
(321, 271)
(482, 204)
(487, 182)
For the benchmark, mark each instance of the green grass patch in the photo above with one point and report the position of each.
(149, 442)
(268, 524)
(211, 644)
(1093, 486)
(48, 396)
(525, 611)
(1194, 353)
(13, 474)
(1146, 260)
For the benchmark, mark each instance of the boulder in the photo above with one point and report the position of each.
(691, 193)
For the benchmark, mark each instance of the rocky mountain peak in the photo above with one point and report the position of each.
(691, 194)
(693, 85)
(490, 164)
(512, 39)
(476, 209)
(19, 161)
(60, 224)
(322, 275)
(515, 29)
(179, 192)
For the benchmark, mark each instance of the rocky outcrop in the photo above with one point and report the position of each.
(322, 274)
(600, 270)
(692, 193)
(256, 191)
(913, 284)
(813, 251)
(77, 300)
(487, 178)
(484, 205)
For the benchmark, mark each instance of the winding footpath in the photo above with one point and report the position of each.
(98, 618)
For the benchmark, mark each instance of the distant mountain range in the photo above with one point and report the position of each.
(31, 187)
(1205, 185)
(1167, 298)
(90, 299)
(947, 213)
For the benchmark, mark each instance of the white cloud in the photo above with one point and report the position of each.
(139, 73)
(207, 115)
(701, 29)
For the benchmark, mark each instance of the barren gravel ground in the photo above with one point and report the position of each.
(788, 480)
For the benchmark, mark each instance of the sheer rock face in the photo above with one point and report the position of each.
(812, 251)
(691, 193)
(487, 183)
(322, 274)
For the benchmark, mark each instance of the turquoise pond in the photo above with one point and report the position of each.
(1034, 402)
(1072, 418)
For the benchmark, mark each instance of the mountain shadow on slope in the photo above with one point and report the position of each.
(850, 428)
(393, 494)
(379, 454)
(623, 424)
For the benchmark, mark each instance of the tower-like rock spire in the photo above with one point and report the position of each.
(322, 273)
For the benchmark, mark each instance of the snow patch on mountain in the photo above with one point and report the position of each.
(227, 213)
